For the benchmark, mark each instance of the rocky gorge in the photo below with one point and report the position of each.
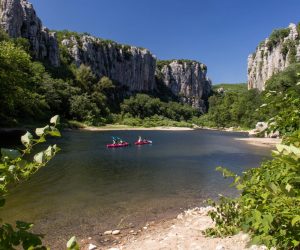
(132, 67)
(273, 55)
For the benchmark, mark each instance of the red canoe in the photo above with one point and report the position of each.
(117, 145)
(142, 142)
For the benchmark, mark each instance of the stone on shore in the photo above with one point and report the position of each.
(115, 232)
(108, 232)
(92, 247)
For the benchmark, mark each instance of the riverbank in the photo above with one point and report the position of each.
(125, 127)
(261, 142)
(183, 232)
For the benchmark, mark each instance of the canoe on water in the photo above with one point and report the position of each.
(117, 145)
(144, 142)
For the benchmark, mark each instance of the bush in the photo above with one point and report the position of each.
(269, 206)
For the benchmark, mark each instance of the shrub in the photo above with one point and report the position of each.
(269, 206)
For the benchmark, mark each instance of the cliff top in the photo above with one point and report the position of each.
(67, 34)
(278, 35)
(161, 63)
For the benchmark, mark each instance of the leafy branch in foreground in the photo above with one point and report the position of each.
(269, 205)
(15, 168)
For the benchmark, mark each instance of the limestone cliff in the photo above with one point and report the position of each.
(273, 55)
(130, 66)
(18, 19)
(186, 79)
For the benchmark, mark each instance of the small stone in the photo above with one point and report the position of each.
(92, 247)
(131, 231)
(220, 247)
(89, 238)
(179, 216)
(263, 247)
(245, 237)
(254, 247)
(115, 232)
(108, 232)
(145, 228)
(114, 248)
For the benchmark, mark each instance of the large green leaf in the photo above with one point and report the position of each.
(54, 132)
(72, 244)
(26, 139)
(55, 120)
(39, 158)
(50, 151)
(42, 131)
(295, 220)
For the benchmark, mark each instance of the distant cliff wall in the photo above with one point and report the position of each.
(273, 55)
(186, 79)
(18, 19)
(131, 66)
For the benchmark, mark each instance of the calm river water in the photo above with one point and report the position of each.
(88, 188)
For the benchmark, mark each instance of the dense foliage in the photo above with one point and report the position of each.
(235, 106)
(144, 110)
(31, 91)
(282, 100)
(269, 206)
(232, 106)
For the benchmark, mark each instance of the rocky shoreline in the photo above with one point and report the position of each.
(183, 232)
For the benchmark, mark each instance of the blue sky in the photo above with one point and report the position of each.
(219, 33)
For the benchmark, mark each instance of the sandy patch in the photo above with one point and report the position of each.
(112, 128)
(261, 142)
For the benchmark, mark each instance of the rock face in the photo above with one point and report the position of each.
(18, 19)
(273, 55)
(130, 66)
(186, 79)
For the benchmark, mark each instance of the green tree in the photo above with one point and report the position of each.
(82, 108)
(84, 77)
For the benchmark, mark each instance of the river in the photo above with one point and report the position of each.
(88, 188)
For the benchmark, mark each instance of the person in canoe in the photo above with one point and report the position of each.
(117, 140)
(140, 139)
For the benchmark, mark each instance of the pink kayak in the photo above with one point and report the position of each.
(144, 142)
(117, 145)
